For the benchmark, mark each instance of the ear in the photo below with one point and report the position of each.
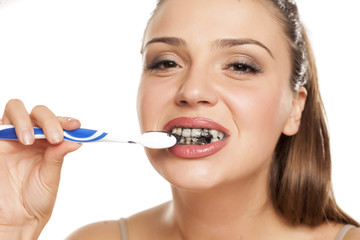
(293, 123)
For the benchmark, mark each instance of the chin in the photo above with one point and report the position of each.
(187, 174)
(193, 182)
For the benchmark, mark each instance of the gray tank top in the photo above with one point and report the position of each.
(124, 234)
(343, 231)
(123, 228)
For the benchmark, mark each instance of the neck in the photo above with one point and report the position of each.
(229, 211)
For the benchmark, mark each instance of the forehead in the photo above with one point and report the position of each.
(203, 21)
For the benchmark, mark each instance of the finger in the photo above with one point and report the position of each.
(47, 120)
(69, 123)
(15, 113)
(53, 159)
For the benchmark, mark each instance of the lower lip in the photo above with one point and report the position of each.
(197, 151)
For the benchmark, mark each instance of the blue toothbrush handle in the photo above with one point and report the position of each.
(83, 135)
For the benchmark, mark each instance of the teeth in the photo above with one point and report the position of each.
(192, 136)
(214, 133)
(195, 132)
(221, 135)
(177, 131)
(186, 132)
(205, 133)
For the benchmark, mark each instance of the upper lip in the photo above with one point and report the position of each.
(197, 122)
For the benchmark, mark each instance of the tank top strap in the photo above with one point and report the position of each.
(124, 233)
(123, 228)
(343, 231)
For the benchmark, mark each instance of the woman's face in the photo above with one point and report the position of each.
(220, 67)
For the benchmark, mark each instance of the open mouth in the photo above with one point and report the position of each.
(196, 136)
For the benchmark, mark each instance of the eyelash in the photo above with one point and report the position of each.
(156, 65)
(249, 68)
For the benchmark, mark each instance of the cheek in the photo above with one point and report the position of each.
(259, 109)
(260, 115)
(152, 99)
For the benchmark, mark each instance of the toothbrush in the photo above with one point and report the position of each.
(155, 140)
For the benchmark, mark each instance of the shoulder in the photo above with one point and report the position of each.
(140, 226)
(95, 231)
(148, 220)
(336, 231)
(353, 234)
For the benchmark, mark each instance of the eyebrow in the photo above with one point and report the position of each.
(232, 42)
(173, 41)
(219, 43)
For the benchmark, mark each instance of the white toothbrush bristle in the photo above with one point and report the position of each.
(157, 140)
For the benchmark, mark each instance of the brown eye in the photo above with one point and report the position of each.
(169, 64)
(163, 64)
(243, 68)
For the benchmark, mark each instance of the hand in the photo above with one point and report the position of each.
(30, 170)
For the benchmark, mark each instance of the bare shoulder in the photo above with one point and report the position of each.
(96, 231)
(149, 224)
(139, 226)
(331, 230)
(149, 215)
(353, 234)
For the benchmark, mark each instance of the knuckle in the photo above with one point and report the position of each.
(39, 109)
(13, 102)
(13, 106)
(44, 117)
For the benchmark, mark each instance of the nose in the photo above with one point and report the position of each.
(196, 89)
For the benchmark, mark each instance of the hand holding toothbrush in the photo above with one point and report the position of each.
(30, 170)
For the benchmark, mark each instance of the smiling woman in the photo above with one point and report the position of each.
(236, 83)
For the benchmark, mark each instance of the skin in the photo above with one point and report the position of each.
(253, 107)
(222, 196)
(29, 175)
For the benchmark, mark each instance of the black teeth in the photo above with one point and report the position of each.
(178, 138)
(195, 141)
(207, 139)
(201, 140)
(195, 138)
(206, 135)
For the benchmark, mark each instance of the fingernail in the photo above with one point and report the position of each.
(67, 119)
(27, 137)
(72, 119)
(55, 136)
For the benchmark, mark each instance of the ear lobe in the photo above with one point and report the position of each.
(293, 123)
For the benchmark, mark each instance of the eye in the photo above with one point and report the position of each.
(162, 65)
(242, 68)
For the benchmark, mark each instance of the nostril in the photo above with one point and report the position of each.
(183, 102)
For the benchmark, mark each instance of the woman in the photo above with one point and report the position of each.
(247, 77)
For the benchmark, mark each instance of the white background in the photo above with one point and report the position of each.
(81, 58)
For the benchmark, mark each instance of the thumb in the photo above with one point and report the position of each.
(50, 170)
